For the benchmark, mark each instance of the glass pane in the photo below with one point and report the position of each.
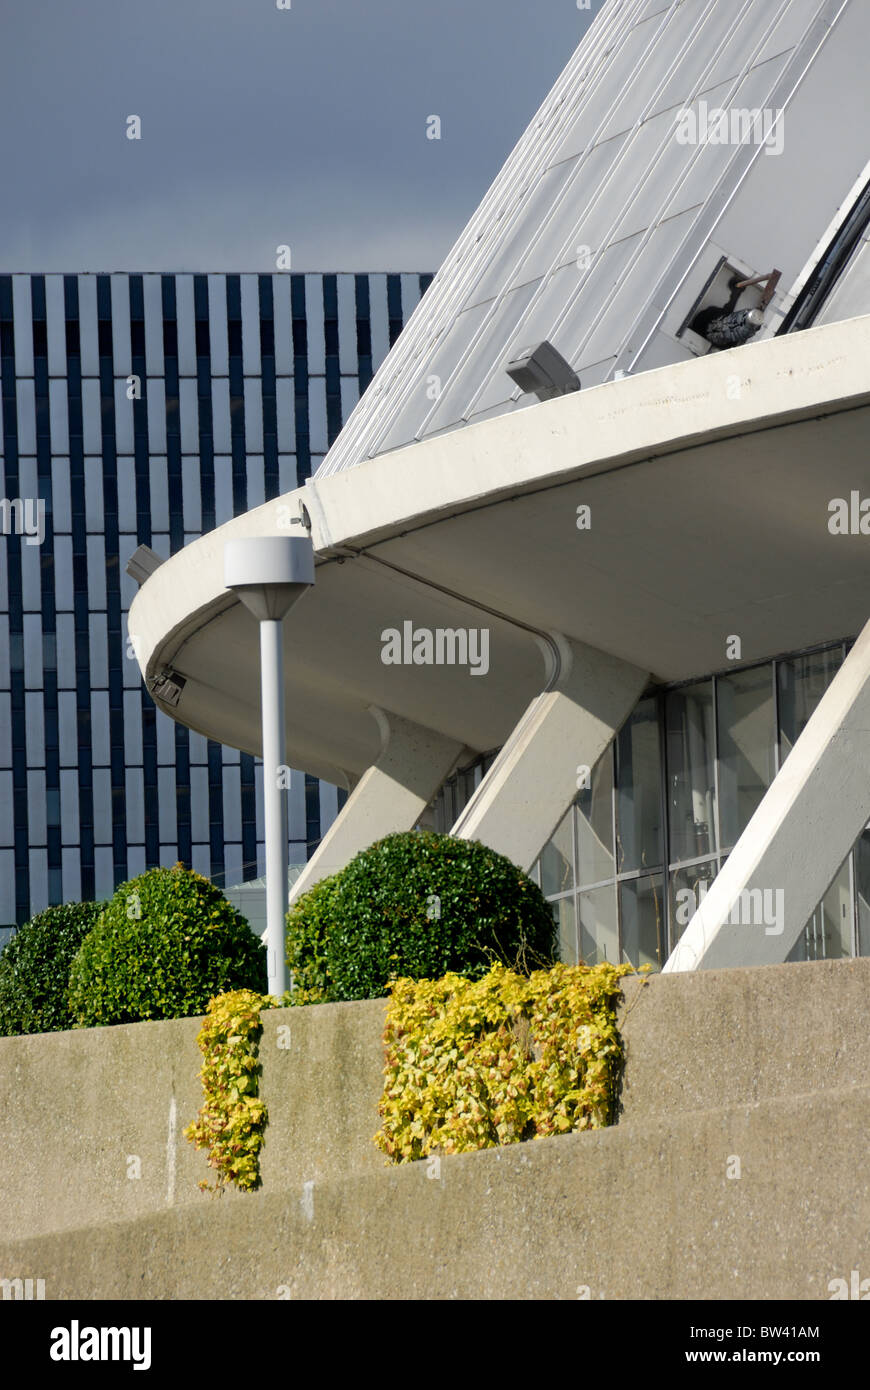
(639, 791)
(565, 913)
(690, 753)
(802, 683)
(746, 743)
(557, 858)
(464, 790)
(643, 922)
(598, 935)
(688, 888)
(828, 933)
(862, 891)
(595, 825)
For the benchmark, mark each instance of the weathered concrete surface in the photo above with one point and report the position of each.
(767, 1066)
(76, 1108)
(531, 784)
(638, 1211)
(391, 795)
(731, 1036)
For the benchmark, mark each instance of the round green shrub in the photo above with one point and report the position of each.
(419, 905)
(35, 966)
(308, 923)
(166, 943)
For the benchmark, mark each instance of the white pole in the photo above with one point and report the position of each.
(270, 574)
(274, 800)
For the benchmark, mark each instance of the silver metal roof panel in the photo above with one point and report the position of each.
(601, 222)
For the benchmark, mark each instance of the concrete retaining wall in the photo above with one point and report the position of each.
(638, 1211)
(722, 1037)
(764, 1072)
(77, 1109)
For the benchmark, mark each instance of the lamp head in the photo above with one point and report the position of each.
(269, 573)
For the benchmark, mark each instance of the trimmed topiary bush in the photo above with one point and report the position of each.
(35, 966)
(308, 923)
(166, 943)
(418, 905)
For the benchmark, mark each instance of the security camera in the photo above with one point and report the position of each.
(167, 686)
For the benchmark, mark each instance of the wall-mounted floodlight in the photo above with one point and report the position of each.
(142, 563)
(543, 371)
(270, 574)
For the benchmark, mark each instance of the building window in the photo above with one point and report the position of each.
(639, 831)
(442, 813)
(862, 893)
(598, 924)
(828, 935)
(642, 920)
(802, 682)
(677, 788)
(557, 860)
(746, 727)
(595, 857)
(691, 758)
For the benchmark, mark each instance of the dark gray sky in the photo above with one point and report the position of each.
(261, 127)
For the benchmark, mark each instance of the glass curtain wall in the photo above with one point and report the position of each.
(604, 869)
(443, 812)
(834, 929)
(633, 858)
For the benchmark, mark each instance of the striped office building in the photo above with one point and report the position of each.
(148, 409)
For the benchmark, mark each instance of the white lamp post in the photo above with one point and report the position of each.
(270, 574)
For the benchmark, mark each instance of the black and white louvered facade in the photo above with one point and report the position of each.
(148, 408)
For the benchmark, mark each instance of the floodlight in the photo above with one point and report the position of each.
(543, 371)
(142, 563)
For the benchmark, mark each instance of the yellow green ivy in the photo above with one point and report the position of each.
(469, 1064)
(232, 1122)
(472, 1064)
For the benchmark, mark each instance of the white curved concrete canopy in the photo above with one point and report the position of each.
(709, 484)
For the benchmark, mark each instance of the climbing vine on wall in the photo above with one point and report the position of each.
(472, 1064)
(232, 1122)
(469, 1064)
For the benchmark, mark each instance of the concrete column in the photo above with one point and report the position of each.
(786, 858)
(390, 796)
(533, 781)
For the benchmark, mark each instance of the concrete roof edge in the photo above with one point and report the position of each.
(819, 372)
(621, 422)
